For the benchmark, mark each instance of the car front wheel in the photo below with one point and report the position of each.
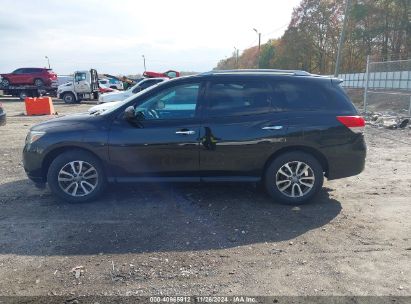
(5, 82)
(68, 98)
(294, 178)
(76, 176)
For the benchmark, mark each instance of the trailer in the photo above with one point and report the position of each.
(22, 91)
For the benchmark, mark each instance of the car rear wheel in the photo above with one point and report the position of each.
(38, 82)
(69, 98)
(5, 82)
(294, 178)
(76, 176)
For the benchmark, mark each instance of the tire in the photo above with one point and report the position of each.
(69, 98)
(38, 82)
(23, 95)
(5, 82)
(304, 180)
(76, 176)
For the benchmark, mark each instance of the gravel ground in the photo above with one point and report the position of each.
(207, 239)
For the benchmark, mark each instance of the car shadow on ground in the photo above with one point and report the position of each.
(152, 218)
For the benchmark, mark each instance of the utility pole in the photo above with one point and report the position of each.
(342, 37)
(144, 61)
(236, 56)
(259, 46)
(48, 60)
(367, 79)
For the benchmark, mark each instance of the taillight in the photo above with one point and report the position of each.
(354, 123)
(51, 74)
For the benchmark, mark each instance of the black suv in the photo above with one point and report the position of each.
(286, 129)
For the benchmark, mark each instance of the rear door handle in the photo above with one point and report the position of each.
(272, 128)
(186, 132)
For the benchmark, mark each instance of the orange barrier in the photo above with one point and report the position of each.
(39, 106)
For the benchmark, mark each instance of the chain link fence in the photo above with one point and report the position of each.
(385, 88)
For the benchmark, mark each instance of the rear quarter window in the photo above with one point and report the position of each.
(311, 95)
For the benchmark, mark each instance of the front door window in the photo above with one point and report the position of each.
(178, 102)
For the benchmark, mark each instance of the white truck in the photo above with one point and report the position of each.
(83, 87)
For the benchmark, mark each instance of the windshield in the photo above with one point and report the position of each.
(127, 100)
(136, 85)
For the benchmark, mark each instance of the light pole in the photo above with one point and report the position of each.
(259, 46)
(48, 60)
(144, 61)
(236, 56)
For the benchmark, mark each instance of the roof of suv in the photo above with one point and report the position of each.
(34, 68)
(259, 71)
(268, 72)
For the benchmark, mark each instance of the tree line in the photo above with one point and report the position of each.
(379, 28)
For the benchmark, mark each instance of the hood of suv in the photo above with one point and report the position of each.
(79, 121)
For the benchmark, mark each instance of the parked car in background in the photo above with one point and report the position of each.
(105, 89)
(140, 86)
(104, 82)
(35, 76)
(102, 107)
(116, 84)
(2, 115)
(63, 79)
(285, 129)
(111, 83)
(167, 74)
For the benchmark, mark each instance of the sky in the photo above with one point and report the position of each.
(112, 36)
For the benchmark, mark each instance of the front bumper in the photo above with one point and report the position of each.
(32, 164)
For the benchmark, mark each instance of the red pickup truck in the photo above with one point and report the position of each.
(30, 76)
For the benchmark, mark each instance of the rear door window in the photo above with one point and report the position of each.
(238, 97)
(32, 70)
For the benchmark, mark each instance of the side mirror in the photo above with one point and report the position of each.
(129, 113)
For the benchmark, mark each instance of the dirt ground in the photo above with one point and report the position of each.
(207, 239)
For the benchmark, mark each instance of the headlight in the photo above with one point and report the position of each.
(33, 136)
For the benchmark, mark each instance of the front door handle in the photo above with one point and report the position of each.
(272, 128)
(186, 132)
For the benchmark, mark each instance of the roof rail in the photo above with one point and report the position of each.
(288, 72)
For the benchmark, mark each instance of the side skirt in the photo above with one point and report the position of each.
(188, 179)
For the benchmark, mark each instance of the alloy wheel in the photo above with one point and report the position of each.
(5, 83)
(38, 82)
(295, 179)
(78, 178)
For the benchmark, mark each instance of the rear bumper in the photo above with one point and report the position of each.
(346, 160)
